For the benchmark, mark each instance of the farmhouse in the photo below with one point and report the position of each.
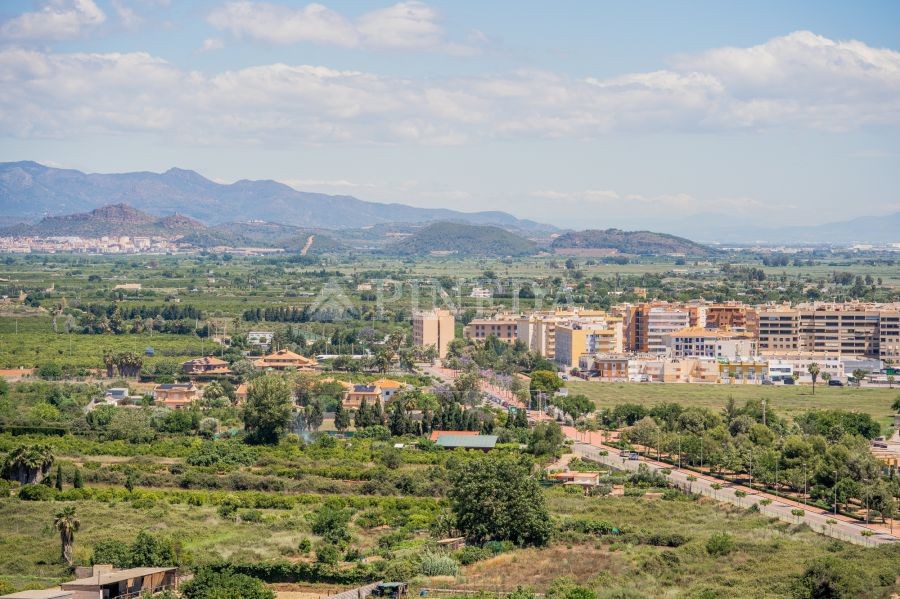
(176, 395)
(284, 359)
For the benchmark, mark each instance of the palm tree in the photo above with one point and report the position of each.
(813, 370)
(67, 524)
(28, 464)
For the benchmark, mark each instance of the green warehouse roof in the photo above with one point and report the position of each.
(467, 441)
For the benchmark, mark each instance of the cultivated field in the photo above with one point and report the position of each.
(787, 400)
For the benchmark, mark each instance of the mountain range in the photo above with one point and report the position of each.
(30, 191)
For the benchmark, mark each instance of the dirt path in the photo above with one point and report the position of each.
(308, 245)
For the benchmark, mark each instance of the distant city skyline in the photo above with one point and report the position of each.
(589, 114)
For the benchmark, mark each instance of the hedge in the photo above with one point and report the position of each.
(284, 571)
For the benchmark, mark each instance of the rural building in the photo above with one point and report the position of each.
(176, 395)
(207, 365)
(40, 594)
(354, 396)
(479, 442)
(389, 388)
(107, 583)
(285, 359)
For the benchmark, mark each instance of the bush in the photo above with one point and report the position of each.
(208, 583)
(326, 553)
(304, 546)
(832, 577)
(436, 564)
(250, 515)
(720, 543)
(470, 555)
(37, 493)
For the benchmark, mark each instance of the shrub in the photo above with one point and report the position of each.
(37, 493)
(250, 515)
(720, 543)
(304, 546)
(470, 555)
(436, 564)
(210, 583)
(326, 553)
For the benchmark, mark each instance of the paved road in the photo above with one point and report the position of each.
(815, 518)
(781, 509)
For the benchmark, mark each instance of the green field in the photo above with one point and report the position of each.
(785, 400)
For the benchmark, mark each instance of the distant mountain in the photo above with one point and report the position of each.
(30, 191)
(627, 242)
(863, 230)
(116, 219)
(462, 240)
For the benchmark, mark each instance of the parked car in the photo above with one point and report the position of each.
(787, 381)
(767, 382)
(835, 383)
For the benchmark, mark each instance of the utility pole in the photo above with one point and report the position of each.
(835, 491)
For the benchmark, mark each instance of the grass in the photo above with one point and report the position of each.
(785, 400)
(767, 556)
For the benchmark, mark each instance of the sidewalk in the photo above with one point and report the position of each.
(588, 445)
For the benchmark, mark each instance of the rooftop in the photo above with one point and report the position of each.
(113, 577)
(467, 441)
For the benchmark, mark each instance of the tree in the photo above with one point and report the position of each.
(78, 480)
(59, 477)
(314, 415)
(28, 464)
(813, 369)
(341, 417)
(225, 584)
(831, 577)
(268, 409)
(858, 375)
(67, 525)
(495, 498)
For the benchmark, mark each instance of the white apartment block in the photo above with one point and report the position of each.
(662, 321)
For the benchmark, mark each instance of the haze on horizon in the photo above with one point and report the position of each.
(598, 115)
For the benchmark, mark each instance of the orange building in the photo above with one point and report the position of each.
(284, 359)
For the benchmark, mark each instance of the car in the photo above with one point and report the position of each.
(767, 382)
(633, 456)
(835, 383)
(787, 381)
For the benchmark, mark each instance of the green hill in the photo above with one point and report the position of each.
(115, 219)
(642, 243)
(462, 240)
(264, 234)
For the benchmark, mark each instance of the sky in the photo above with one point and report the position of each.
(675, 116)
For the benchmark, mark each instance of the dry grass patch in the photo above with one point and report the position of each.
(536, 568)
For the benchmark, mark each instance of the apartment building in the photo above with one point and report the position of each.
(434, 327)
(831, 329)
(502, 326)
(710, 343)
(575, 339)
(646, 323)
(732, 315)
(537, 329)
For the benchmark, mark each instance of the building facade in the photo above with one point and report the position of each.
(434, 327)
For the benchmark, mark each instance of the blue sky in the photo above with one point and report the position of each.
(680, 116)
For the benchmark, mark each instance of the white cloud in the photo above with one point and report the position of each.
(68, 95)
(127, 16)
(282, 25)
(55, 20)
(409, 25)
(212, 43)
